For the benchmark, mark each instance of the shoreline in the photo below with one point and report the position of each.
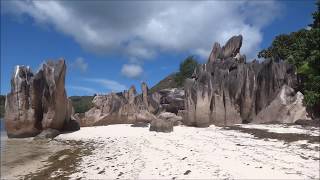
(20, 157)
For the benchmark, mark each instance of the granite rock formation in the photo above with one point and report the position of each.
(129, 107)
(124, 107)
(287, 107)
(37, 101)
(227, 90)
(171, 100)
(230, 50)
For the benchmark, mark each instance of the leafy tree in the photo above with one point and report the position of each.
(186, 69)
(316, 16)
(302, 49)
(81, 104)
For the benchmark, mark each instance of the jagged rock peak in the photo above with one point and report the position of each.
(37, 101)
(232, 47)
(230, 50)
(226, 91)
(145, 90)
(132, 94)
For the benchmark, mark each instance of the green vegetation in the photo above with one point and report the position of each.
(81, 104)
(186, 70)
(176, 80)
(302, 49)
(2, 102)
(167, 82)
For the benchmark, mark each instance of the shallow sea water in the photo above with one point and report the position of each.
(22, 156)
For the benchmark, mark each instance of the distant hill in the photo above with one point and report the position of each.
(167, 82)
(176, 80)
(2, 101)
(81, 104)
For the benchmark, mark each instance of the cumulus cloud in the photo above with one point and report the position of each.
(110, 85)
(131, 70)
(142, 29)
(80, 64)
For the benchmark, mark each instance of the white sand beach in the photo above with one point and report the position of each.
(125, 152)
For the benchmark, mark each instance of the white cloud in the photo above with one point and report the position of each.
(110, 85)
(131, 70)
(80, 64)
(83, 89)
(143, 29)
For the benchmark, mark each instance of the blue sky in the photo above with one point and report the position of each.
(109, 46)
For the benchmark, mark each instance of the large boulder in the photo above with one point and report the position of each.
(161, 125)
(229, 91)
(230, 50)
(23, 107)
(170, 117)
(56, 106)
(215, 53)
(287, 107)
(232, 47)
(37, 101)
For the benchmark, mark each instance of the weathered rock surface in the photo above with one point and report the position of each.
(125, 107)
(56, 106)
(170, 117)
(287, 107)
(230, 50)
(161, 125)
(232, 47)
(23, 106)
(37, 101)
(171, 100)
(227, 91)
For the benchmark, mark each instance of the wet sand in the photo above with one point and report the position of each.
(20, 157)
